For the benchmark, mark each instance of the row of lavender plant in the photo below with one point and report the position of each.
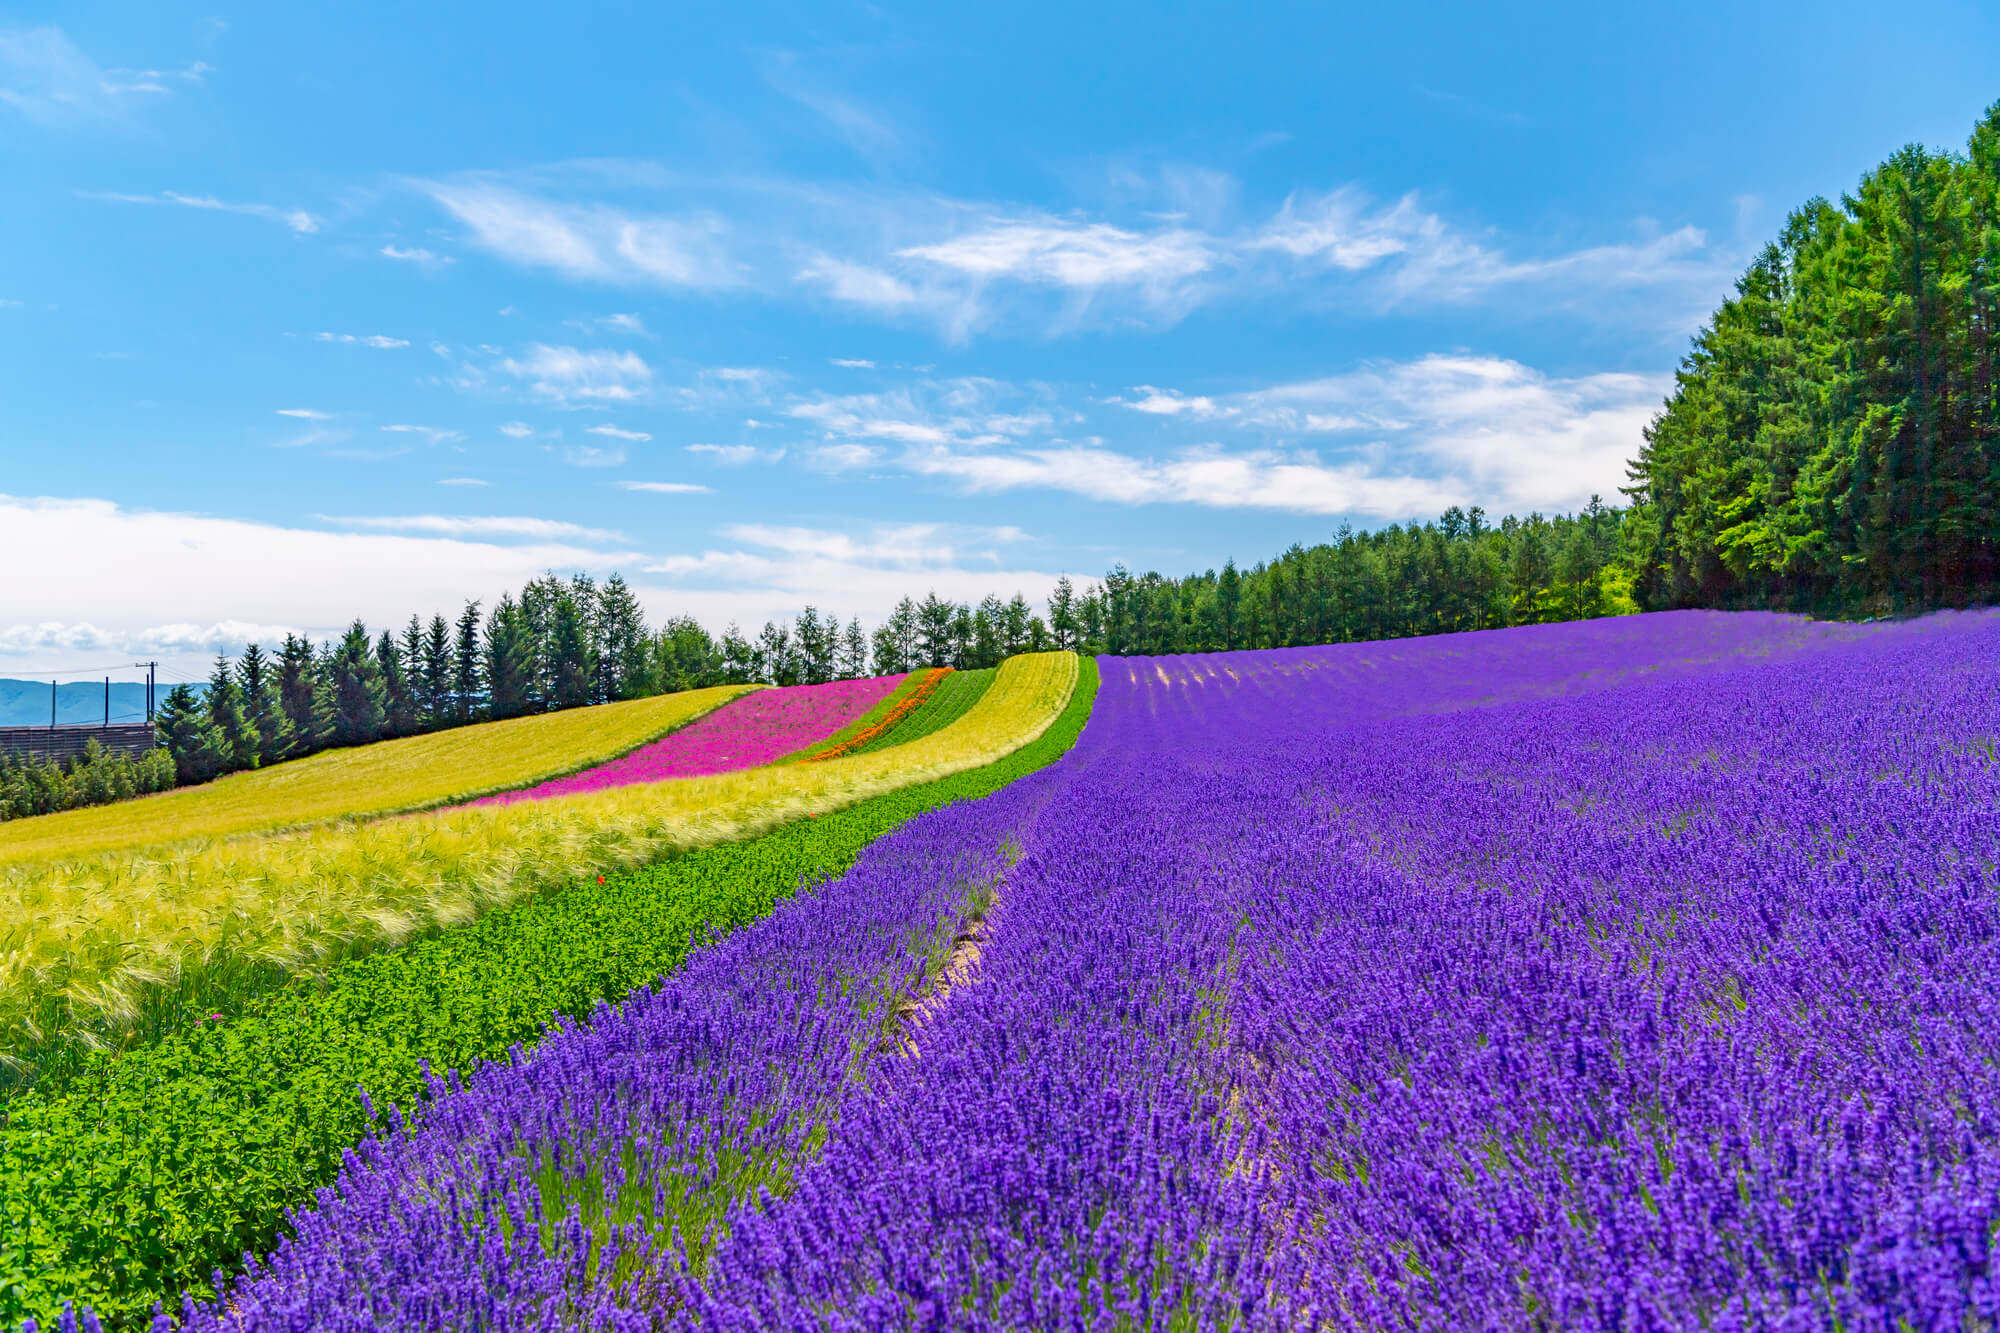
(1617, 975)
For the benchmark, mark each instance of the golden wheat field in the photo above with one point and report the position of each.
(86, 941)
(384, 778)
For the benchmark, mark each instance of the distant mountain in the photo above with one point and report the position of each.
(25, 703)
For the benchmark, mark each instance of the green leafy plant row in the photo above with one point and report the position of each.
(153, 1168)
(950, 701)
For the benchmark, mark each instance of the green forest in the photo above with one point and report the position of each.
(1831, 441)
(1832, 445)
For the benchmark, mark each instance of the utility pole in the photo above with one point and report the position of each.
(151, 667)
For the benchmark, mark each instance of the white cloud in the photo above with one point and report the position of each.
(585, 455)
(566, 376)
(853, 363)
(1065, 254)
(591, 242)
(618, 433)
(1167, 403)
(161, 583)
(866, 131)
(300, 221)
(47, 79)
(461, 481)
(766, 571)
(414, 255)
(665, 487)
(841, 457)
(517, 430)
(431, 434)
(381, 340)
(316, 435)
(1343, 230)
(451, 525)
(858, 284)
(1252, 479)
(624, 323)
(305, 413)
(1173, 240)
(735, 455)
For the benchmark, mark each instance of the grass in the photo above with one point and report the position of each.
(95, 948)
(955, 695)
(388, 777)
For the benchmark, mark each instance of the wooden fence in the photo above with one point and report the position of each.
(133, 738)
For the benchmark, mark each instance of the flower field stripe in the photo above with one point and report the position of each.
(1479, 993)
(955, 694)
(857, 741)
(914, 683)
(154, 1169)
(100, 947)
(755, 729)
(387, 777)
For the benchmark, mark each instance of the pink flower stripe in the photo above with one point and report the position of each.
(743, 733)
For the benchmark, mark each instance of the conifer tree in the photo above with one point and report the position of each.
(189, 736)
(438, 673)
(300, 692)
(625, 662)
(853, 651)
(399, 703)
(467, 680)
(235, 738)
(264, 705)
(358, 710)
(572, 664)
(509, 660)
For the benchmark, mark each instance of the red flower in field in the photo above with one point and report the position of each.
(600, 879)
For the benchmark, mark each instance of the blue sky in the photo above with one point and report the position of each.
(362, 311)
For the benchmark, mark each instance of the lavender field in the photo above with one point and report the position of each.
(1630, 974)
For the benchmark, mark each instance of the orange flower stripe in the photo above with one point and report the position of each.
(903, 709)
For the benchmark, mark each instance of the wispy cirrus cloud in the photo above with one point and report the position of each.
(1181, 238)
(665, 487)
(569, 376)
(298, 219)
(378, 340)
(594, 242)
(458, 525)
(619, 433)
(46, 78)
(430, 434)
(588, 455)
(415, 254)
(736, 455)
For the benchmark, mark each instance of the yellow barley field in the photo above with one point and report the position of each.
(387, 777)
(87, 942)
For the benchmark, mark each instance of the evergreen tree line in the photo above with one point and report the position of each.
(568, 642)
(1833, 440)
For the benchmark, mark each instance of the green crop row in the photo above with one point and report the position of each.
(157, 1166)
(953, 697)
